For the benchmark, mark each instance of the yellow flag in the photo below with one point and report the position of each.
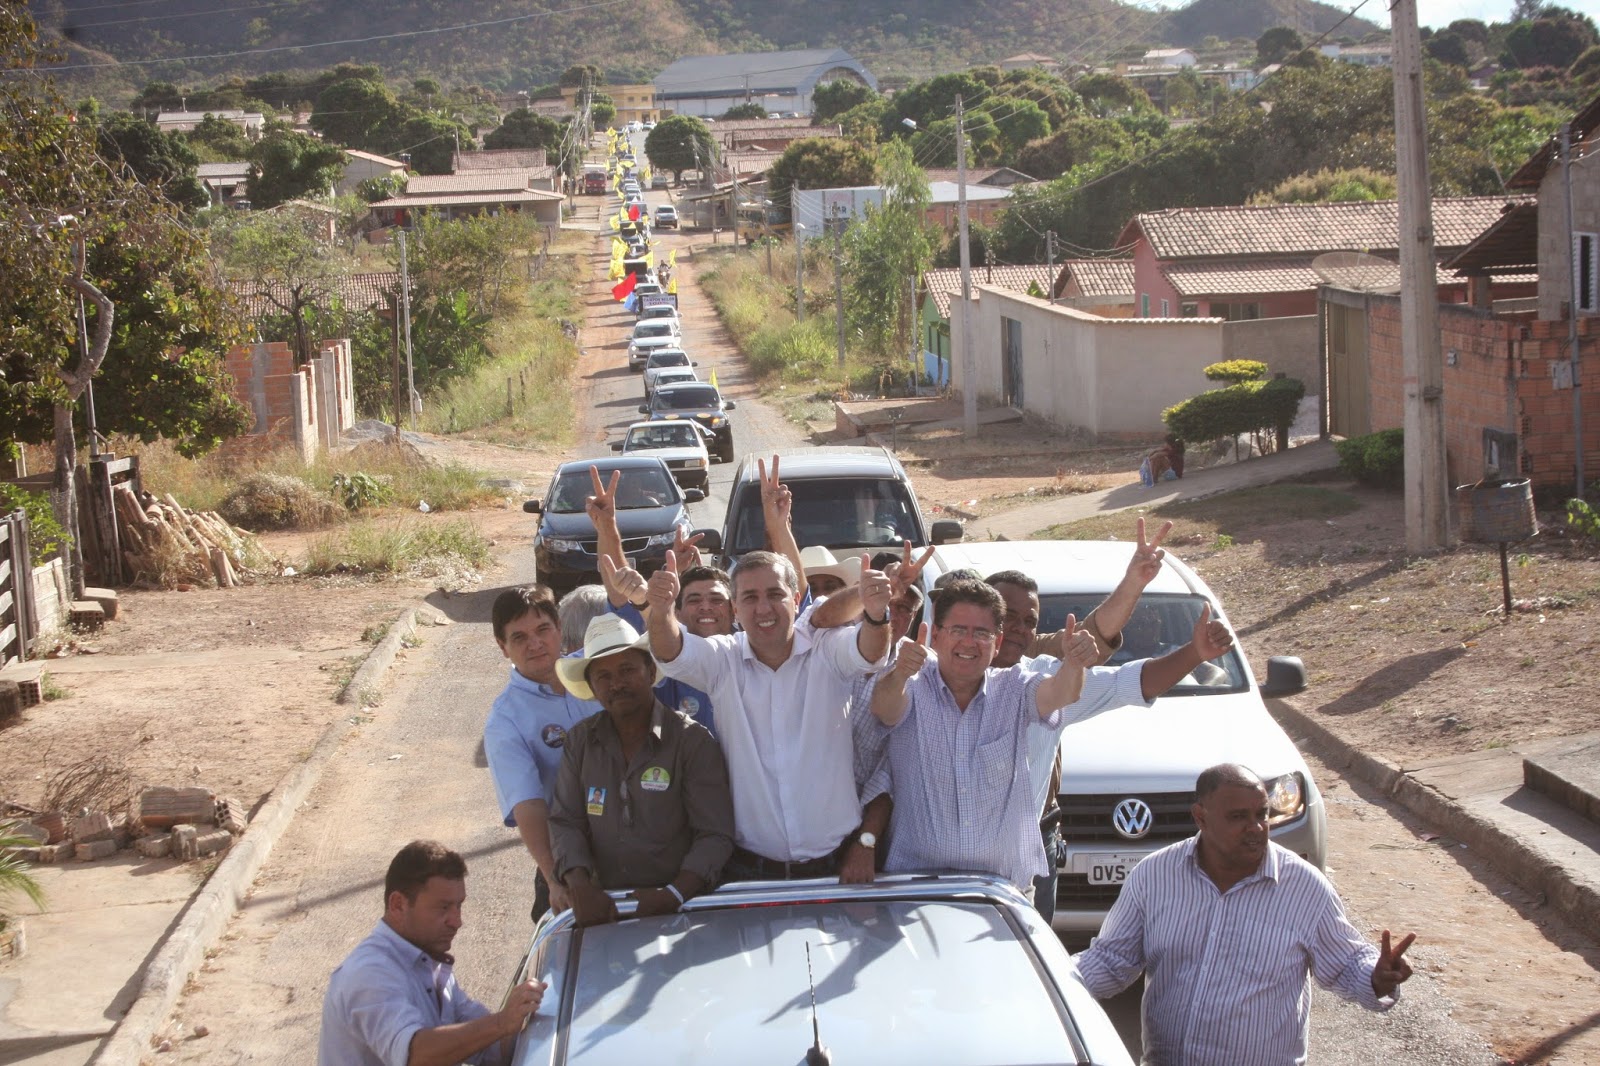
(713, 379)
(616, 271)
(614, 223)
(672, 290)
(618, 246)
(672, 258)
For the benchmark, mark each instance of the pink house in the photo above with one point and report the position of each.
(1256, 262)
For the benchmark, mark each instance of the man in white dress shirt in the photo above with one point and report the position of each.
(786, 731)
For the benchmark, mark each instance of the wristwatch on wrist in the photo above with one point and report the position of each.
(867, 840)
(871, 621)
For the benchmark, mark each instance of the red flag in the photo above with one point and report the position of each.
(633, 213)
(622, 288)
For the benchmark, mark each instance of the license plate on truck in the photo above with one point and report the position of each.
(1108, 867)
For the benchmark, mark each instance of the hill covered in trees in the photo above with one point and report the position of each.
(113, 50)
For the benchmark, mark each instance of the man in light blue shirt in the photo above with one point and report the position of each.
(527, 728)
(394, 1000)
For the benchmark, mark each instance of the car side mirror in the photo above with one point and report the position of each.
(644, 408)
(532, 506)
(729, 405)
(616, 445)
(710, 540)
(1286, 676)
(947, 531)
(694, 495)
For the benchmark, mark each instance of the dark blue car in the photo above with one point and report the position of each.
(651, 508)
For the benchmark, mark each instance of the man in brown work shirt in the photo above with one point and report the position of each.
(642, 798)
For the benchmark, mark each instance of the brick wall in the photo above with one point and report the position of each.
(305, 408)
(1500, 373)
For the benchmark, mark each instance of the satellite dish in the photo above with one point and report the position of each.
(1358, 272)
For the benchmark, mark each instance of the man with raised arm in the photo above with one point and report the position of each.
(958, 753)
(1228, 929)
(782, 692)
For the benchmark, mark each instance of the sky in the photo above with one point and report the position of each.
(1440, 13)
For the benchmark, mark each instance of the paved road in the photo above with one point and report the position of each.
(415, 769)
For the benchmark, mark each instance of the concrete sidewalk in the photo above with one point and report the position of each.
(1023, 522)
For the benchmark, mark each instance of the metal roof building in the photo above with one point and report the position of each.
(778, 81)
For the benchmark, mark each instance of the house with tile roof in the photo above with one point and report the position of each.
(1511, 376)
(1031, 61)
(1102, 287)
(1255, 262)
(226, 182)
(472, 192)
(939, 287)
(359, 166)
(778, 81)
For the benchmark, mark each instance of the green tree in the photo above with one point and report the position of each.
(1073, 145)
(834, 98)
(1585, 70)
(579, 74)
(888, 249)
(820, 163)
(153, 157)
(864, 121)
(1277, 44)
(930, 101)
(217, 140)
(1107, 94)
(1448, 47)
(64, 216)
(602, 110)
(936, 142)
(431, 141)
(286, 165)
(281, 257)
(679, 143)
(357, 113)
(524, 129)
(745, 110)
(1555, 39)
(1360, 183)
(1017, 121)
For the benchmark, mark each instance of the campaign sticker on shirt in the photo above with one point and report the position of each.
(655, 779)
(689, 705)
(553, 735)
(597, 801)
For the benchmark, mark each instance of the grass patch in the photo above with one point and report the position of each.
(1219, 520)
(51, 689)
(758, 312)
(524, 393)
(413, 547)
(276, 490)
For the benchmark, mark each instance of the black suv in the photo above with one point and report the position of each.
(650, 510)
(701, 402)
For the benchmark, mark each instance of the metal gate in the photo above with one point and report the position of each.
(1349, 414)
(18, 621)
(1011, 362)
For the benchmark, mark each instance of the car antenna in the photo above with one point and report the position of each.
(816, 1054)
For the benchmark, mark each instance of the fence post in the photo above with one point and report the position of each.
(510, 410)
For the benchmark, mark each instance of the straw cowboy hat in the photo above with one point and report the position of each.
(608, 634)
(819, 561)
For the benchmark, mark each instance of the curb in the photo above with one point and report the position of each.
(1575, 899)
(181, 952)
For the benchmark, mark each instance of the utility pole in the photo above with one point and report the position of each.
(838, 279)
(914, 338)
(405, 311)
(969, 358)
(799, 271)
(1572, 318)
(1050, 263)
(1422, 377)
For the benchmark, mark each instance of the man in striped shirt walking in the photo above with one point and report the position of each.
(1228, 929)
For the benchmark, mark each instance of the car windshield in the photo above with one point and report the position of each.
(687, 399)
(669, 358)
(835, 512)
(1159, 624)
(663, 435)
(652, 329)
(646, 486)
(960, 986)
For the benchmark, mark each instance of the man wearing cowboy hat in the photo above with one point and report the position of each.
(642, 798)
(826, 574)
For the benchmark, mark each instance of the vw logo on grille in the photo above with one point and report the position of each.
(1133, 818)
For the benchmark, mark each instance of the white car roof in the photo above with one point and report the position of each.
(1061, 566)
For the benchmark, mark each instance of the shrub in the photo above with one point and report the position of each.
(1377, 459)
(1236, 371)
(419, 547)
(357, 490)
(45, 535)
(277, 501)
(1253, 407)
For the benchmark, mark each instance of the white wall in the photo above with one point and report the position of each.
(1110, 377)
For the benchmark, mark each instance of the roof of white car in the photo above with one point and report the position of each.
(1059, 566)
